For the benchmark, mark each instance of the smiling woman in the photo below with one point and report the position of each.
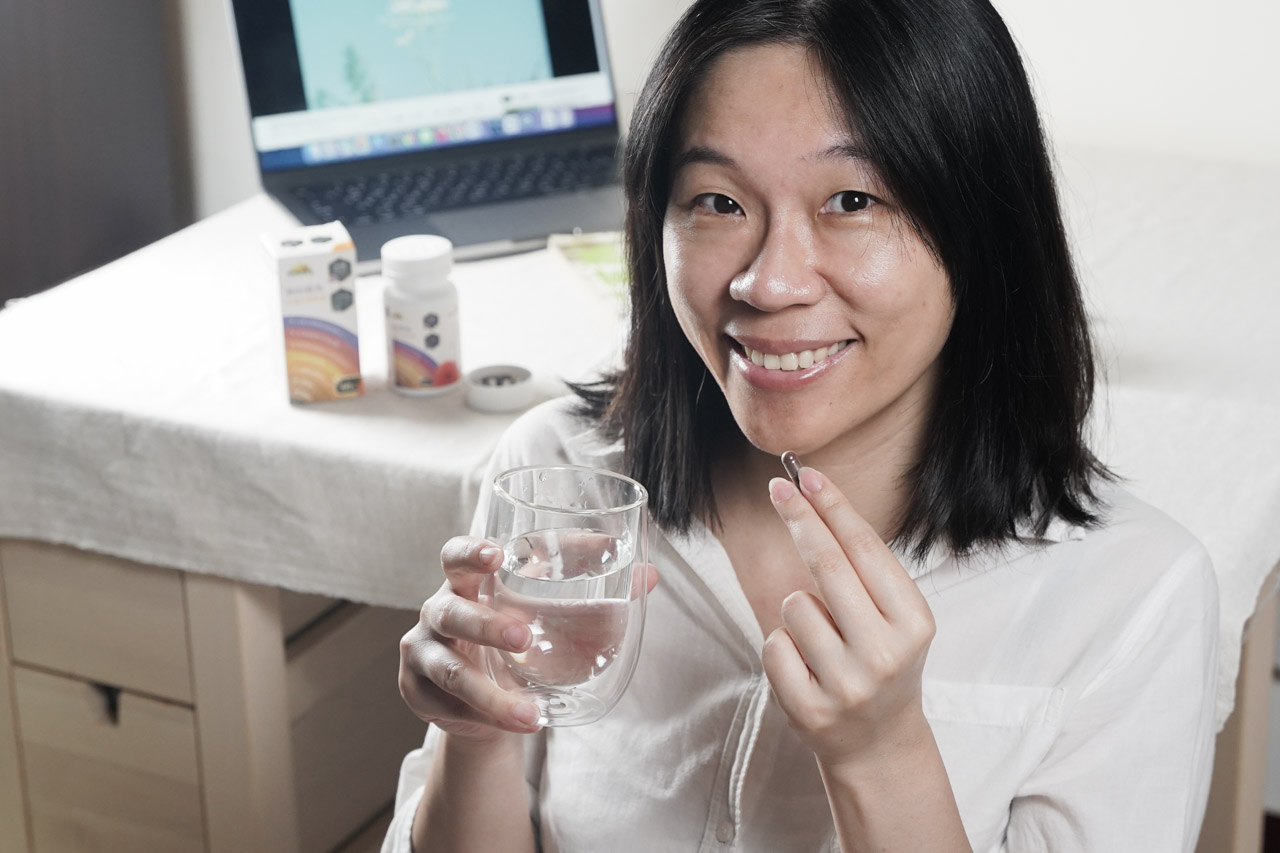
(791, 270)
(949, 631)
(925, 154)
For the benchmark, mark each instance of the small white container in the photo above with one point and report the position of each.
(499, 388)
(422, 316)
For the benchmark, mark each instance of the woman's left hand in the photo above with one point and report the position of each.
(846, 665)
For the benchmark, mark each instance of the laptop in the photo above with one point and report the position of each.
(490, 122)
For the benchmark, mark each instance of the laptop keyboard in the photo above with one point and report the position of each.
(394, 195)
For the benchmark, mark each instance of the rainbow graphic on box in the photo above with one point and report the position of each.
(323, 360)
(316, 268)
(413, 368)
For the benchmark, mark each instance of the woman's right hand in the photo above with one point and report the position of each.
(443, 678)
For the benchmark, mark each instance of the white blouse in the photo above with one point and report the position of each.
(1069, 688)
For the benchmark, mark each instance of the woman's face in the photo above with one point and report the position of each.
(812, 301)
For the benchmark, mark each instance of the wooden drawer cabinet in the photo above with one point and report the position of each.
(349, 727)
(97, 618)
(117, 775)
(149, 709)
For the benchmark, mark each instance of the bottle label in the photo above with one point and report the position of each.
(423, 352)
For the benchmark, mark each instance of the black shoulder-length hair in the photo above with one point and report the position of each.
(936, 93)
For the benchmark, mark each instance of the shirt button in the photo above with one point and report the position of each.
(724, 832)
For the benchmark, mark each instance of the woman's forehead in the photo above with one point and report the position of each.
(761, 95)
(758, 84)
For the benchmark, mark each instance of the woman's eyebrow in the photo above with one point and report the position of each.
(701, 154)
(845, 151)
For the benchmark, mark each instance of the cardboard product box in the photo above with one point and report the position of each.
(316, 266)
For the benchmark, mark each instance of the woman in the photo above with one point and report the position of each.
(844, 240)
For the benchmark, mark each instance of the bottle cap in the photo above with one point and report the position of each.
(499, 388)
(417, 256)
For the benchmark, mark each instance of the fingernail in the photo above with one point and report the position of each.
(516, 636)
(810, 481)
(781, 490)
(490, 554)
(526, 712)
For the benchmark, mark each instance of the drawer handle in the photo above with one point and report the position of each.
(110, 698)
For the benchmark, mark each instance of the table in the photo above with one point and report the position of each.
(144, 414)
(143, 411)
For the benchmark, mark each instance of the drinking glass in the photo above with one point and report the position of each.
(575, 570)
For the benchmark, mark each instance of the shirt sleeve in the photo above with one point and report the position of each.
(1130, 769)
(413, 779)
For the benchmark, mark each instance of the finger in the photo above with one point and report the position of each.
(461, 618)
(839, 586)
(790, 679)
(894, 592)
(814, 636)
(466, 560)
(432, 705)
(462, 679)
(648, 577)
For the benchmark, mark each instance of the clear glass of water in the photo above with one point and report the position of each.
(575, 570)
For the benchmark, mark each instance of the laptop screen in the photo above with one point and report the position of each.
(336, 80)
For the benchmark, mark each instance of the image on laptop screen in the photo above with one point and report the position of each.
(368, 78)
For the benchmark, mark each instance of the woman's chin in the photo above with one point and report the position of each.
(774, 436)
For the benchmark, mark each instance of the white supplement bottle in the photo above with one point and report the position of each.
(422, 315)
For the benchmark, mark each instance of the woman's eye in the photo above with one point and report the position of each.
(717, 203)
(849, 201)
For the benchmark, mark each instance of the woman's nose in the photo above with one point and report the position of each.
(783, 272)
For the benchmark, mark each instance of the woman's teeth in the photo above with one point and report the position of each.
(792, 360)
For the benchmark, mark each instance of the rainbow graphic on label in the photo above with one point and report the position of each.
(323, 360)
(415, 369)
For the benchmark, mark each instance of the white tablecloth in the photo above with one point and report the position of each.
(143, 410)
(144, 413)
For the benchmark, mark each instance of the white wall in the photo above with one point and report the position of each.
(223, 168)
(1179, 76)
(635, 30)
(1164, 75)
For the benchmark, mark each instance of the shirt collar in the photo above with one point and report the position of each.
(591, 445)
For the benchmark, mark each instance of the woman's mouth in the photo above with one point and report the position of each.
(787, 361)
